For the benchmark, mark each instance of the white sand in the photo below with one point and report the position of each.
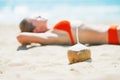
(50, 62)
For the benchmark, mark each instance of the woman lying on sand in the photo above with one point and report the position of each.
(35, 30)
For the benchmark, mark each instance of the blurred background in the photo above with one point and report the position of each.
(93, 11)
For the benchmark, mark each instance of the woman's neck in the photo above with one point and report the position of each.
(40, 29)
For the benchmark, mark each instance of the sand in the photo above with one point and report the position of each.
(50, 62)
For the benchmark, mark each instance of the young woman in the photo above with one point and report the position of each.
(35, 30)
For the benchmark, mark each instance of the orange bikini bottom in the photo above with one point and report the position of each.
(113, 35)
(64, 25)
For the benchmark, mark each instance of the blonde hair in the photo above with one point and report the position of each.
(26, 26)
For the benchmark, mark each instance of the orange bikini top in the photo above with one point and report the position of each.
(65, 26)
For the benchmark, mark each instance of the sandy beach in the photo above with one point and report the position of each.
(50, 62)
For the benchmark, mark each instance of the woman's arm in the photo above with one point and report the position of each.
(42, 38)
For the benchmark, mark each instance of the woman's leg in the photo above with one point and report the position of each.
(118, 33)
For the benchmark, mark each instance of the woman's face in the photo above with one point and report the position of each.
(40, 24)
(38, 21)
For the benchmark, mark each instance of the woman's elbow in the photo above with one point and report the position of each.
(21, 39)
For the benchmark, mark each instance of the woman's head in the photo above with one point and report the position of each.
(26, 26)
(38, 24)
